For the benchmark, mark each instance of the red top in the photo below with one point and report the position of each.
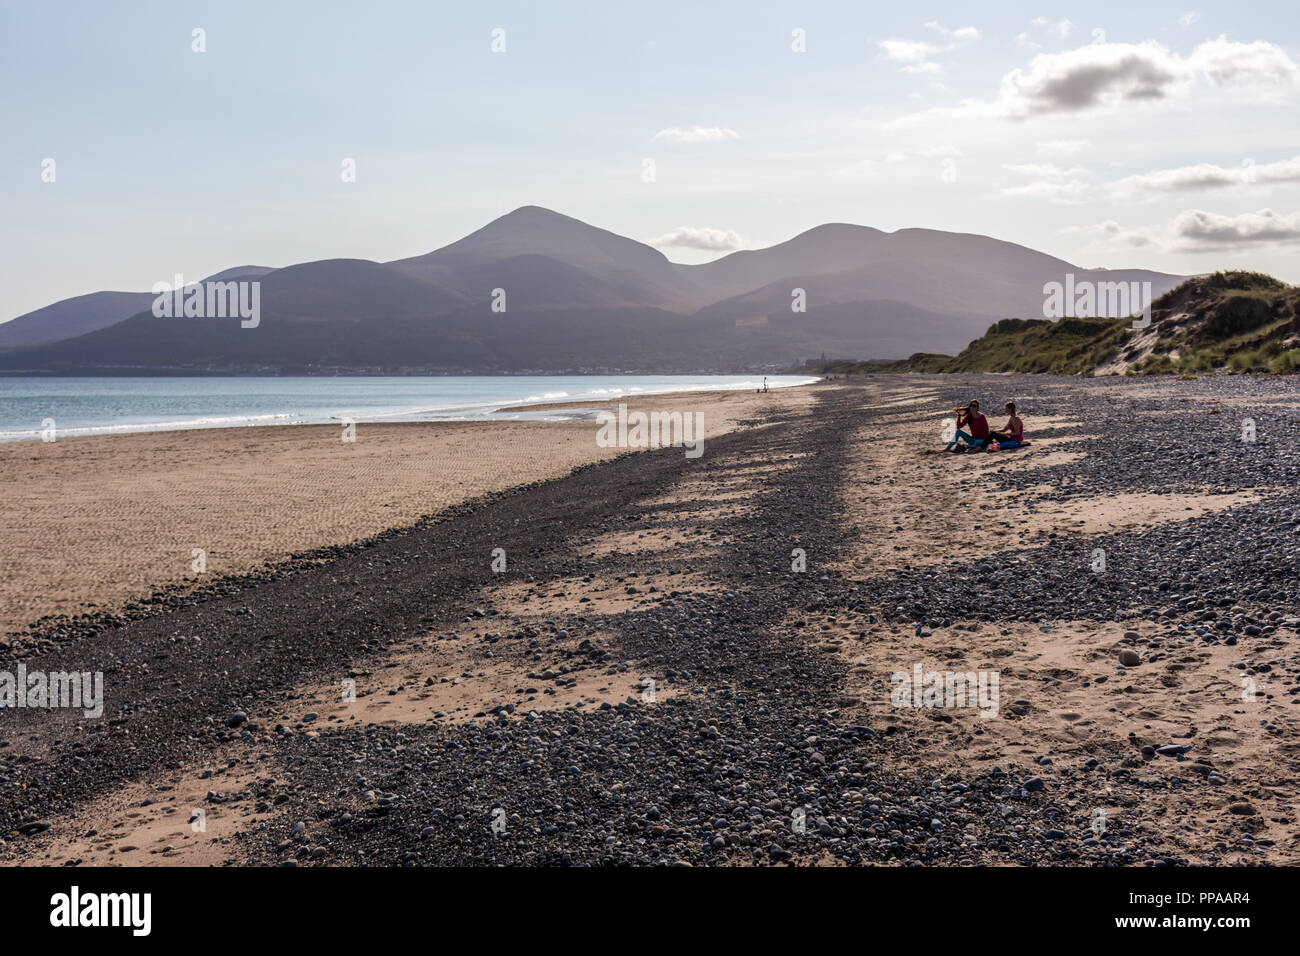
(1016, 430)
(979, 425)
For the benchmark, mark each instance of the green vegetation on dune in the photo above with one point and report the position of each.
(1238, 322)
(1068, 346)
(924, 362)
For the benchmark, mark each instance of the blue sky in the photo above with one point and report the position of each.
(1167, 140)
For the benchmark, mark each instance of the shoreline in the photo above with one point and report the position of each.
(92, 522)
(614, 400)
(469, 412)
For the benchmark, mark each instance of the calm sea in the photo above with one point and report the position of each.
(90, 406)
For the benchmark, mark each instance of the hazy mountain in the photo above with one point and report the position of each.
(72, 317)
(833, 247)
(893, 328)
(965, 277)
(86, 313)
(239, 272)
(579, 296)
(350, 290)
(620, 271)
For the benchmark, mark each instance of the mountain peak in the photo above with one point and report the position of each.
(834, 230)
(632, 271)
(239, 272)
(537, 212)
(532, 220)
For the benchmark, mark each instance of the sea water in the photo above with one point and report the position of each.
(93, 405)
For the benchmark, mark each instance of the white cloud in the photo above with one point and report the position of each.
(1205, 176)
(1108, 74)
(1222, 60)
(1087, 77)
(1061, 29)
(1196, 230)
(1055, 184)
(905, 158)
(917, 56)
(908, 51)
(1110, 235)
(699, 237)
(928, 152)
(1046, 170)
(1070, 192)
(961, 33)
(1061, 147)
(936, 152)
(696, 134)
(1188, 18)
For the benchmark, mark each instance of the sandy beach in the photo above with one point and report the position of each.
(700, 650)
(97, 522)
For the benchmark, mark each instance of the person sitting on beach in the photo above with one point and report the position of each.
(1012, 435)
(970, 417)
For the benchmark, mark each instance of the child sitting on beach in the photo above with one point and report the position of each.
(970, 417)
(1012, 435)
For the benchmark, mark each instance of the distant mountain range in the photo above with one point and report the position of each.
(69, 318)
(575, 297)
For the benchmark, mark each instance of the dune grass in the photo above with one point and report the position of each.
(1233, 322)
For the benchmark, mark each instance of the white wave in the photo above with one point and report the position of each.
(474, 402)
